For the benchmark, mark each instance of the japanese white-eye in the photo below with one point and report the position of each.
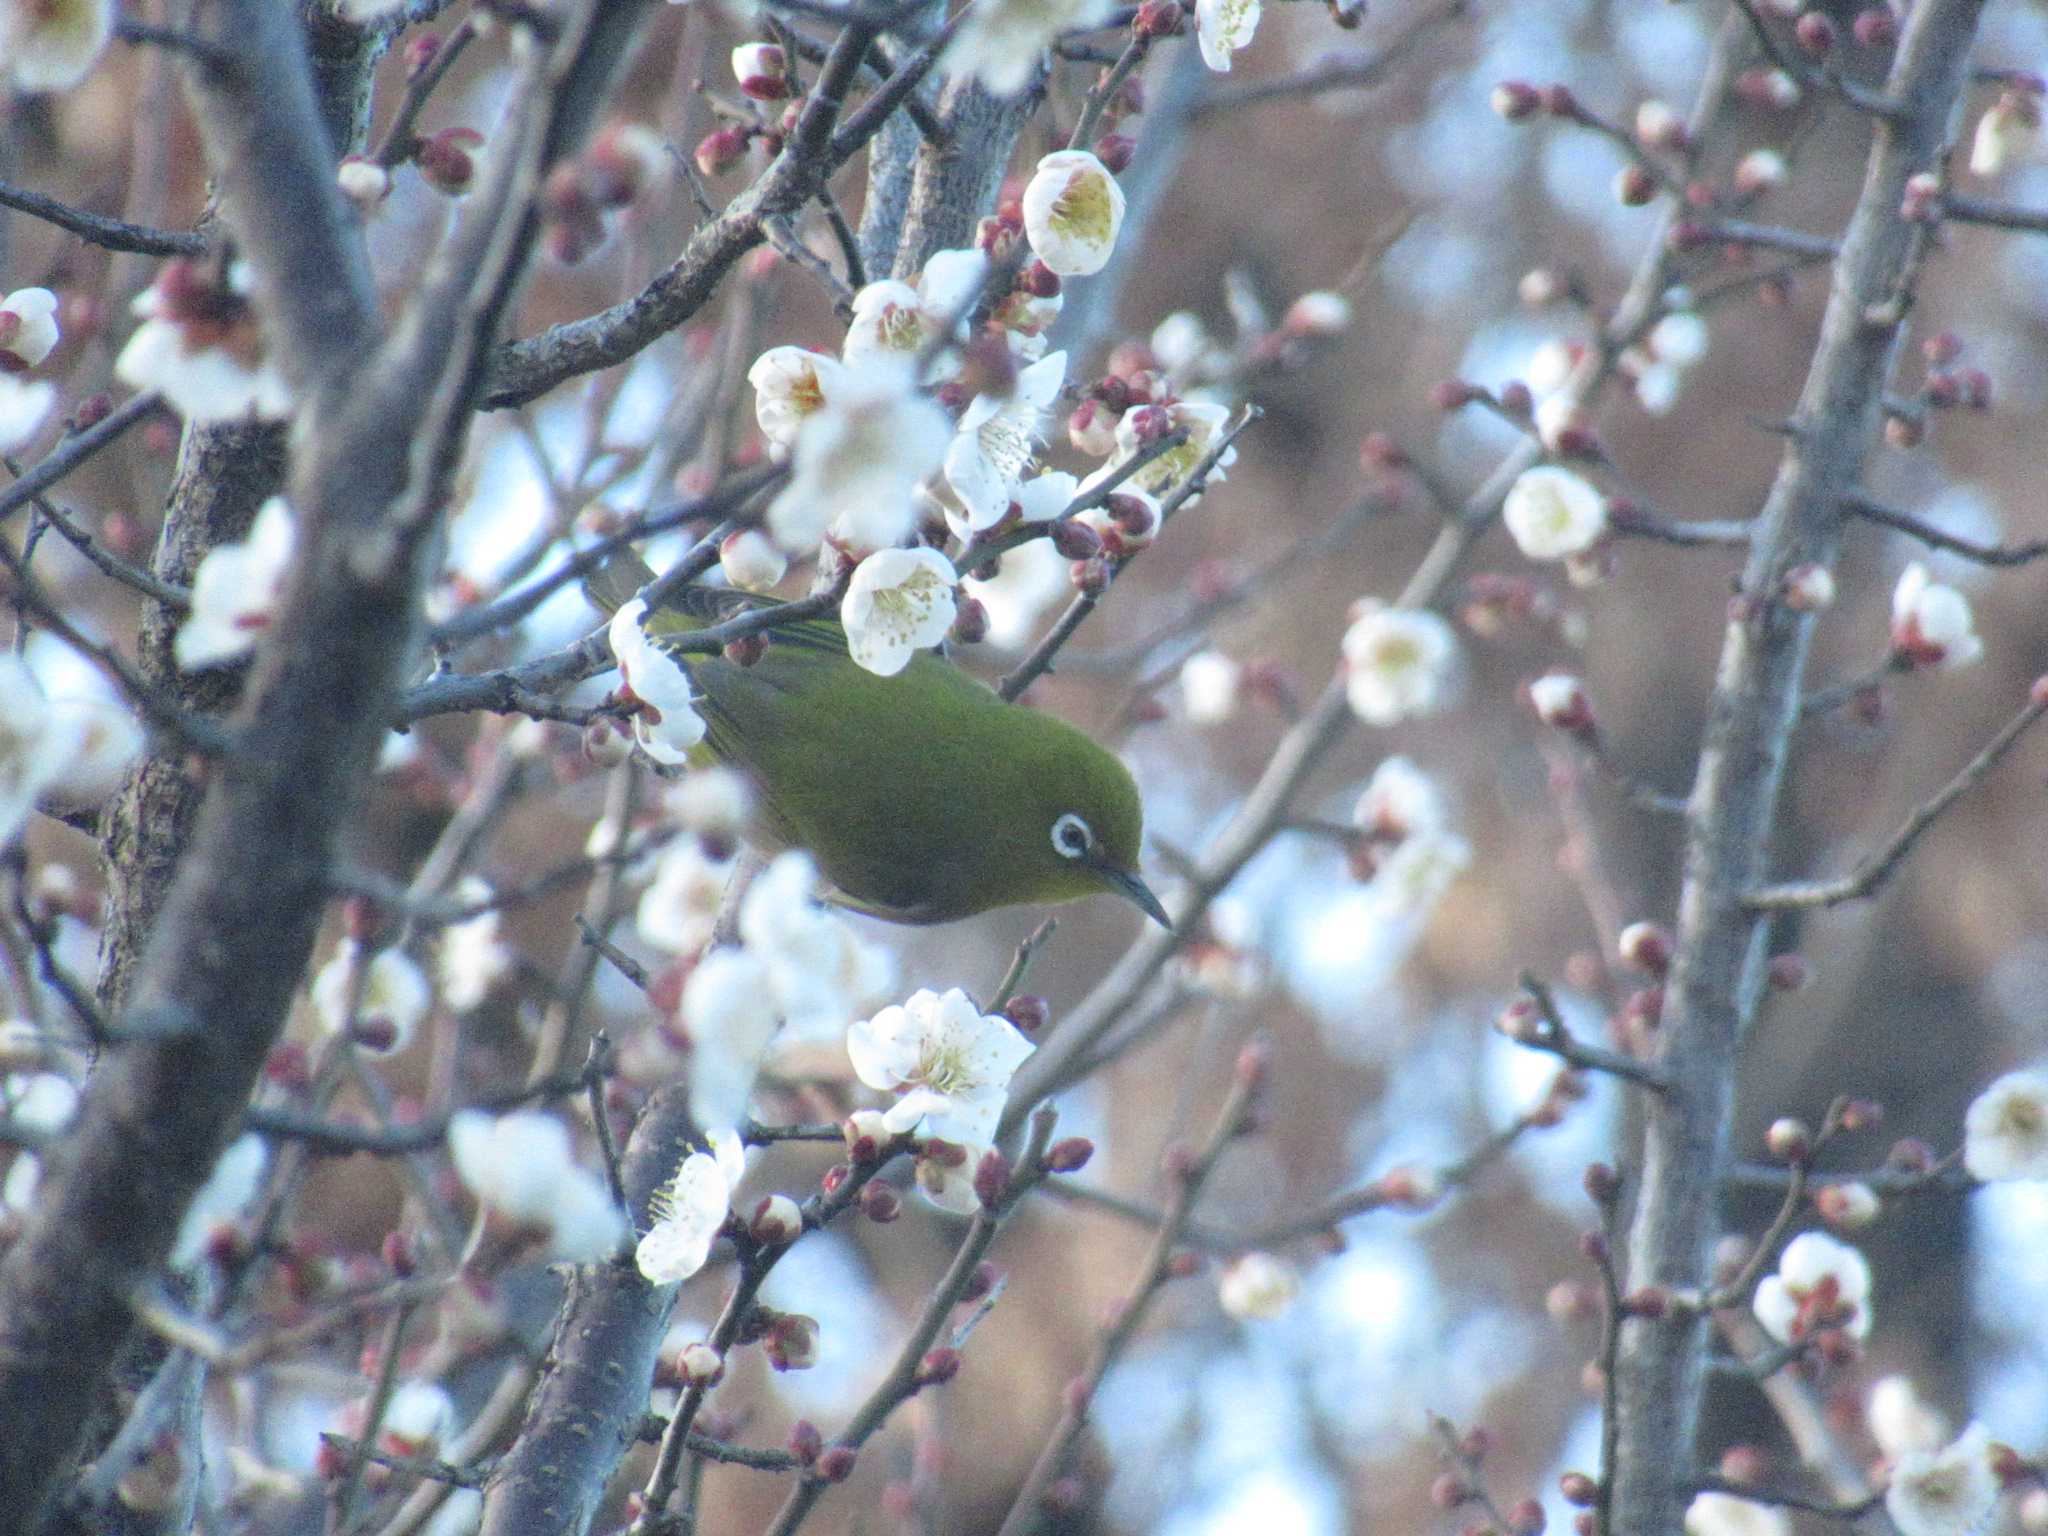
(923, 796)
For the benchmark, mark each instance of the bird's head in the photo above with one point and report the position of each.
(1075, 825)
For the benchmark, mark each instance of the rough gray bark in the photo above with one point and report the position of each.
(1716, 977)
(954, 181)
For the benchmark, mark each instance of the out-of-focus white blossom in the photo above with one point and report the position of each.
(712, 802)
(419, 1415)
(55, 747)
(1931, 622)
(949, 1063)
(51, 45)
(1728, 1514)
(474, 956)
(227, 1192)
(1680, 338)
(1031, 579)
(1950, 1492)
(2005, 1133)
(899, 602)
(857, 463)
(1209, 685)
(1399, 663)
(820, 974)
(2008, 134)
(1820, 1283)
(23, 405)
(1257, 1287)
(1415, 873)
(391, 1000)
(666, 724)
(199, 345)
(28, 326)
(1901, 1421)
(39, 1102)
(690, 1210)
(1002, 41)
(896, 322)
(679, 909)
(729, 1009)
(236, 590)
(1073, 210)
(520, 1167)
(998, 440)
(1400, 801)
(751, 561)
(1551, 513)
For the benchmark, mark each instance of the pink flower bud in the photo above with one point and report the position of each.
(1816, 33)
(760, 70)
(1789, 1140)
(1789, 973)
(1069, 1155)
(1114, 150)
(1647, 947)
(1602, 1184)
(792, 1342)
(720, 150)
(1875, 28)
(1515, 101)
(992, 1178)
(447, 161)
(1092, 429)
(1561, 701)
(1157, 19)
(1075, 540)
(880, 1204)
(699, 1365)
(836, 1465)
(938, 1367)
(1808, 588)
(805, 1442)
(776, 1221)
(1634, 186)
(1578, 1489)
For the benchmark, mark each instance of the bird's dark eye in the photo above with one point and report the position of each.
(1071, 836)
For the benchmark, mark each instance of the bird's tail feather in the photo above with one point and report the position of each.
(616, 582)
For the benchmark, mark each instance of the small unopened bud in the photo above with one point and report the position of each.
(760, 69)
(1808, 588)
(1028, 1012)
(792, 1342)
(866, 1134)
(880, 1204)
(836, 1464)
(1649, 1302)
(1449, 1490)
(938, 1367)
(1860, 1115)
(362, 180)
(1069, 1155)
(720, 150)
(1602, 1183)
(1875, 28)
(1559, 101)
(1647, 947)
(1090, 577)
(699, 1364)
(1092, 429)
(805, 1442)
(1525, 1518)
(1847, 1207)
(992, 1178)
(776, 1221)
(1634, 186)
(1659, 126)
(1909, 1154)
(751, 560)
(1561, 702)
(1789, 1140)
(1411, 1188)
(447, 161)
(1114, 150)
(1759, 171)
(1816, 33)
(980, 1283)
(1317, 315)
(1921, 201)
(420, 54)
(1515, 101)
(970, 621)
(1578, 1489)
(1571, 1301)
(1075, 540)
(1157, 19)
(1454, 394)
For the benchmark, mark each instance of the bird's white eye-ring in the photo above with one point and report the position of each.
(1071, 837)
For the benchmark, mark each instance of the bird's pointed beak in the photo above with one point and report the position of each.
(1138, 893)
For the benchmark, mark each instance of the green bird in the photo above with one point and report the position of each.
(924, 796)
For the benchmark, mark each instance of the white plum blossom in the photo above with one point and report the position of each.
(949, 1063)
(2005, 1133)
(1400, 801)
(1820, 1283)
(678, 911)
(1680, 338)
(513, 1164)
(419, 1415)
(236, 590)
(897, 322)
(1223, 28)
(28, 327)
(730, 1011)
(998, 439)
(1045, 498)
(473, 956)
(791, 385)
(200, 346)
(1202, 420)
(51, 45)
(1950, 1492)
(39, 1102)
(857, 463)
(1073, 210)
(1209, 686)
(1901, 1421)
(39, 743)
(1002, 41)
(1727, 1514)
(24, 403)
(1552, 513)
(391, 997)
(227, 1192)
(1415, 873)
(2008, 134)
(820, 974)
(690, 1211)
(1257, 1287)
(1399, 663)
(103, 740)
(949, 1185)
(666, 724)
(1931, 622)
(899, 602)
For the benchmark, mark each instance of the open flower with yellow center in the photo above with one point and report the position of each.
(858, 462)
(900, 601)
(1399, 663)
(51, 45)
(2005, 1134)
(949, 1063)
(1222, 27)
(894, 321)
(689, 1211)
(1552, 513)
(791, 384)
(997, 442)
(1073, 209)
